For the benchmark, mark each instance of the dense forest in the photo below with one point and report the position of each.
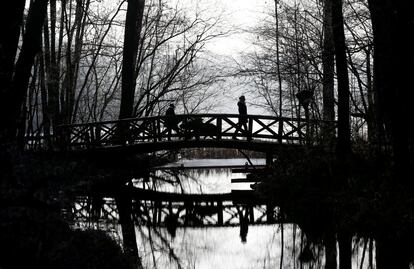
(67, 62)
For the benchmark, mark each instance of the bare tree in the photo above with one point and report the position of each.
(75, 43)
(133, 24)
(79, 78)
(30, 47)
(287, 59)
(169, 65)
(11, 16)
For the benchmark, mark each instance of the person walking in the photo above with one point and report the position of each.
(171, 120)
(242, 124)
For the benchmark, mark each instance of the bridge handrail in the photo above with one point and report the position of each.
(212, 127)
(178, 116)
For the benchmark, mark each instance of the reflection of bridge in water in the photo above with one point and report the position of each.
(150, 134)
(151, 208)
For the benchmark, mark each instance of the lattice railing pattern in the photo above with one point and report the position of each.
(215, 211)
(201, 126)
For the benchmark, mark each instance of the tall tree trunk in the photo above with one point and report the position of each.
(345, 250)
(133, 25)
(279, 75)
(82, 8)
(11, 18)
(393, 55)
(73, 53)
(344, 132)
(297, 53)
(30, 47)
(328, 65)
(371, 117)
(330, 250)
(53, 67)
(45, 69)
(393, 69)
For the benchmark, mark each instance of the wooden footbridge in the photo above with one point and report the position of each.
(149, 134)
(152, 208)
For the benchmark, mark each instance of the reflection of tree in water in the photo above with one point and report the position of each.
(193, 176)
(208, 172)
(161, 247)
(155, 242)
(158, 242)
(185, 180)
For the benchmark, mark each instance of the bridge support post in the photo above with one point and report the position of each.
(220, 213)
(250, 130)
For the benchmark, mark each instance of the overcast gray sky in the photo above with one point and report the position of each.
(238, 15)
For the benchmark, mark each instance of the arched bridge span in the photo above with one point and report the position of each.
(149, 134)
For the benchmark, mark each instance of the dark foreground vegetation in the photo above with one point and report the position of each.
(353, 187)
(32, 236)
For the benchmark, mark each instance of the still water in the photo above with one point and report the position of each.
(221, 248)
(218, 248)
(200, 176)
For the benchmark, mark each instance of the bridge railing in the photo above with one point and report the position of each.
(188, 127)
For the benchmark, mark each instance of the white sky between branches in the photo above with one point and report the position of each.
(237, 17)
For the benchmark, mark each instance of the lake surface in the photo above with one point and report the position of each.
(219, 248)
(200, 176)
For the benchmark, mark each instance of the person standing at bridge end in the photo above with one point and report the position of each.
(171, 120)
(242, 124)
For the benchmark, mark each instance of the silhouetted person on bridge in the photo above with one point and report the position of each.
(171, 120)
(242, 124)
